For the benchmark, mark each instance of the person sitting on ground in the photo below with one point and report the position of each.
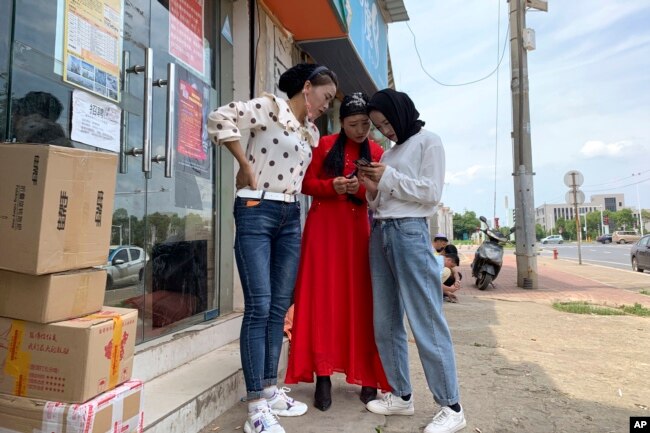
(455, 275)
(440, 241)
(450, 283)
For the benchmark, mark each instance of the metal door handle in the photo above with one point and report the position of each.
(145, 151)
(124, 133)
(170, 82)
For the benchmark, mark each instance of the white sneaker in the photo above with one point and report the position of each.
(262, 421)
(391, 405)
(447, 421)
(283, 405)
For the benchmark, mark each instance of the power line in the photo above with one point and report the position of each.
(618, 180)
(415, 45)
(621, 186)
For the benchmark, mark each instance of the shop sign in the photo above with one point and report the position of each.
(186, 32)
(93, 45)
(192, 142)
(369, 35)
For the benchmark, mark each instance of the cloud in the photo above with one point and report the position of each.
(466, 176)
(599, 18)
(594, 148)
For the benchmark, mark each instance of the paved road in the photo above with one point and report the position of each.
(611, 255)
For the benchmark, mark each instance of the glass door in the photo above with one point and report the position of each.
(163, 258)
(168, 226)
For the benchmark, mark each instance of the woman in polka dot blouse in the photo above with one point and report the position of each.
(267, 218)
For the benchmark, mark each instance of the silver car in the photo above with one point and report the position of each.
(125, 266)
(553, 239)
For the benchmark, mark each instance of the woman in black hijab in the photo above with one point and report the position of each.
(403, 190)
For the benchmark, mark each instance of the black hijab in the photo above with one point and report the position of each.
(399, 110)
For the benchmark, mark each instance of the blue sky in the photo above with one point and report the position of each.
(589, 96)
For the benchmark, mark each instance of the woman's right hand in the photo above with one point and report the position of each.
(371, 185)
(246, 177)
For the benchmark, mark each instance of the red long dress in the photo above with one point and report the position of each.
(332, 324)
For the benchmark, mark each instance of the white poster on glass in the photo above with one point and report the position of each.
(95, 121)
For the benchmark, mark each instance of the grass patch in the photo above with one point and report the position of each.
(645, 292)
(586, 308)
(636, 309)
(581, 307)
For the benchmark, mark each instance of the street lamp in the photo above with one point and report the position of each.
(602, 224)
(638, 204)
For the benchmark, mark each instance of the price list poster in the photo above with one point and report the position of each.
(92, 45)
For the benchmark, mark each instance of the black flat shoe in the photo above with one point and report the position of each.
(368, 393)
(323, 393)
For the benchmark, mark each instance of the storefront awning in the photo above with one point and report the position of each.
(341, 56)
(350, 37)
(309, 20)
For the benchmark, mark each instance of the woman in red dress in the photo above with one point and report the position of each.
(332, 324)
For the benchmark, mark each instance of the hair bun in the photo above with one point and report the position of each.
(293, 79)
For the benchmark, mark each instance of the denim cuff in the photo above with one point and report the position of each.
(269, 382)
(253, 395)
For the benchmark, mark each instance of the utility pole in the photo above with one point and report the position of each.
(522, 152)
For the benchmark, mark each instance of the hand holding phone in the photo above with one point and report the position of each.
(362, 162)
(351, 175)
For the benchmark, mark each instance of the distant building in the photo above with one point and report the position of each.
(442, 222)
(547, 214)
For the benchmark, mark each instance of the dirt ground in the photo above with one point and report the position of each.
(522, 366)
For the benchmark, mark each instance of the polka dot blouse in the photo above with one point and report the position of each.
(279, 148)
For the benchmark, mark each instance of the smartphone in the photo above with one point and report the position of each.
(351, 175)
(363, 162)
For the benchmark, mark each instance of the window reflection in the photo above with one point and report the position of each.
(34, 119)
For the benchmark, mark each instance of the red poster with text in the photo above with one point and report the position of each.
(186, 32)
(190, 122)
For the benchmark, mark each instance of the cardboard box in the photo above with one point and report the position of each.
(119, 410)
(52, 297)
(70, 361)
(55, 207)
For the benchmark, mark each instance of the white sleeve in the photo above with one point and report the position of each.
(427, 187)
(225, 123)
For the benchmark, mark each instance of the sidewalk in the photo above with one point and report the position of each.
(523, 366)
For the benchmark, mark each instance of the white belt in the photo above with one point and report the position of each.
(267, 195)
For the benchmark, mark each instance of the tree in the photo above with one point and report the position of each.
(567, 228)
(623, 219)
(465, 224)
(540, 232)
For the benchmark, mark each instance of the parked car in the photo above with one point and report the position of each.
(125, 266)
(553, 239)
(640, 254)
(604, 239)
(625, 237)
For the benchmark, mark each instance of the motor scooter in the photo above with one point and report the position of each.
(488, 258)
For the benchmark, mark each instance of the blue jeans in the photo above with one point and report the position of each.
(406, 277)
(267, 250)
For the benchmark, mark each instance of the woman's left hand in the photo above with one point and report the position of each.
(374, 171)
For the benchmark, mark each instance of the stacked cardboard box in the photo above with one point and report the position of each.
(57, 342)
(119, 410)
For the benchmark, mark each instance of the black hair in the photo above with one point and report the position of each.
(451, 249)
(293, 79)
(334, 162)
(454, 258)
